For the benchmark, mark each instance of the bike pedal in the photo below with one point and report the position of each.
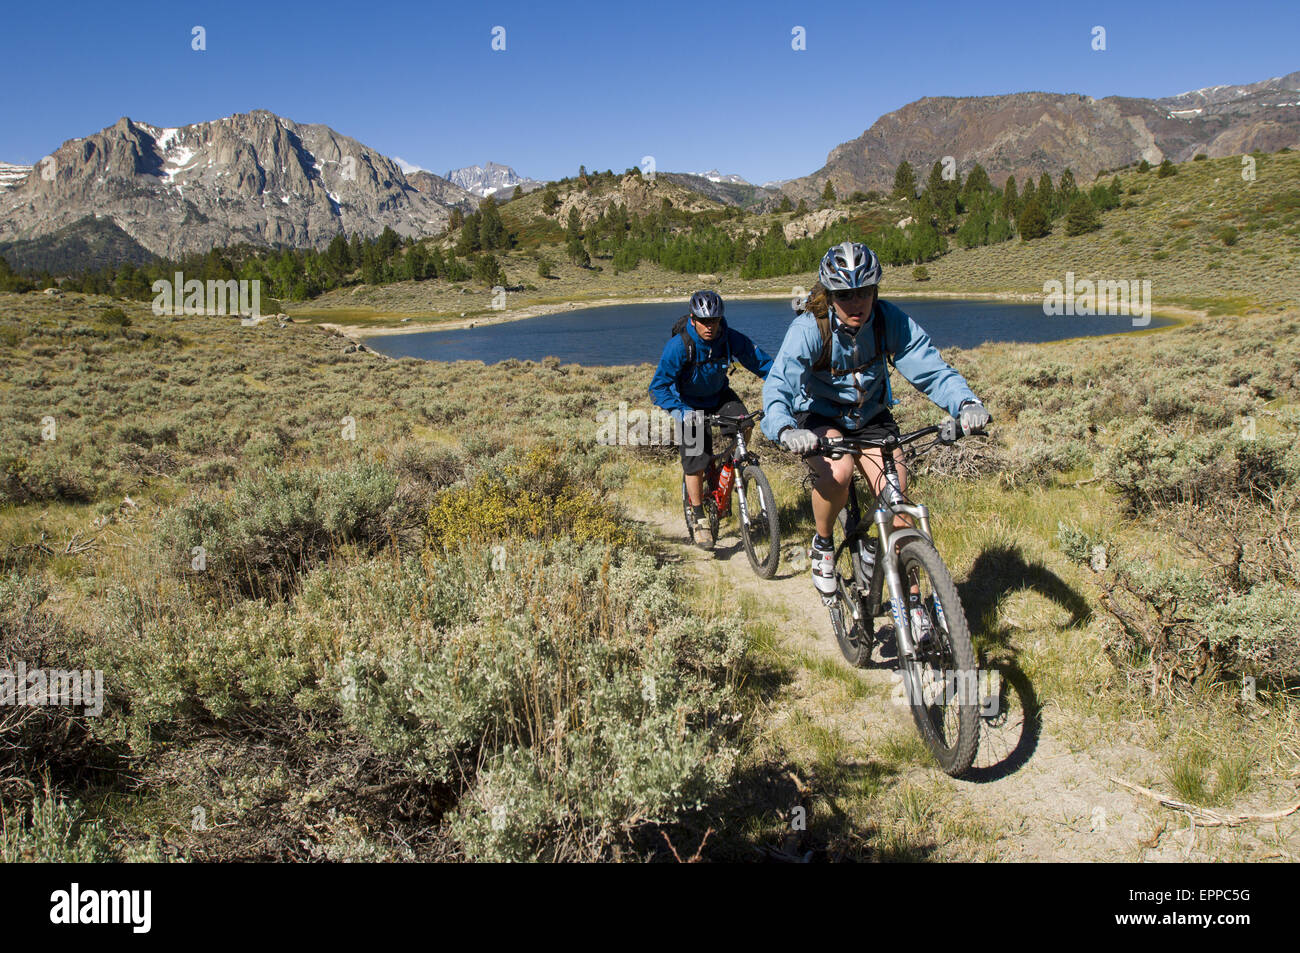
(830, 600)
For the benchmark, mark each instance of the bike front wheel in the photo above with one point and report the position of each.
(942, 680)
(760, 531)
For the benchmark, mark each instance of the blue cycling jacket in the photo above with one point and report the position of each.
(676, 387)
(793, 387)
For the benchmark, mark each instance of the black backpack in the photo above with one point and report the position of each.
(679, 330)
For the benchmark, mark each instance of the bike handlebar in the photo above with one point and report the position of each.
(836, 447)
(730, 421)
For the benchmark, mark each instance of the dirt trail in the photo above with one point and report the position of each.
(1046, 801)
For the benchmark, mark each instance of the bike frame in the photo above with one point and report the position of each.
(884, 507)
(733, 459)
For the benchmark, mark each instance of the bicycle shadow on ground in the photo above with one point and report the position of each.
(1011, 716)
(766, 814)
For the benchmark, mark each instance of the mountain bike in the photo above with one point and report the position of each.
(876, 573)
(759, 530)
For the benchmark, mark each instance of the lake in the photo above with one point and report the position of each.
(636, 333)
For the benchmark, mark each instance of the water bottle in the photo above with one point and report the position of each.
(724, 486)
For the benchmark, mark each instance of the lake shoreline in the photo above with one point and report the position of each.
(1179, 316)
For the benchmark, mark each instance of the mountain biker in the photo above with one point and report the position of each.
(806, 397)
(691, 381)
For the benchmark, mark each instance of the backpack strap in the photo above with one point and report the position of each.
(878, 326)
(679, 329)
(688, 343)
(878, 321)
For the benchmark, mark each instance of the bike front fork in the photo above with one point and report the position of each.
(899, 595)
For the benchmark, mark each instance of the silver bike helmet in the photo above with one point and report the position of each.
(850, 265)
(706, 304)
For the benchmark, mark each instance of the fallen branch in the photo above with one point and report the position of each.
(1205, 816)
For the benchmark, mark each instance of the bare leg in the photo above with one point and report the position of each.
(695, 488)
(830, 487)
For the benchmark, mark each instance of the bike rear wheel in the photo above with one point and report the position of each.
(941, 682)
(761, 532)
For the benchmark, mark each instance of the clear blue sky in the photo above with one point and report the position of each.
(697, 85)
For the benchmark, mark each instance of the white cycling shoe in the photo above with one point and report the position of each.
(823, 569)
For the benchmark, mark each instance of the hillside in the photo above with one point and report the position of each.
(1170, 230)
(1031, 133)
(91, 242)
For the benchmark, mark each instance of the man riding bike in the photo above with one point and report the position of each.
(830, 379)
(691, 381)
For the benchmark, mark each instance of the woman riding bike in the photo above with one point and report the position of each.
(830, 379)
(691, 381)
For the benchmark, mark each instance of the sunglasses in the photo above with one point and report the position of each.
(849, 294)
(709, 322)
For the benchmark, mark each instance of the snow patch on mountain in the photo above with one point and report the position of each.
(713, 175)
(11, 175)
(488, 180)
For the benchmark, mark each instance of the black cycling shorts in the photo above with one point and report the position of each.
(879, 426)
(695, 459)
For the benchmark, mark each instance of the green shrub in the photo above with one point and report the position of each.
(1227, 235)
(581, 685)
(1258, 628)
(540, 498)
(1076, 544)
(920, 273)
(1149, 466)
(53, 831)
(275, 523)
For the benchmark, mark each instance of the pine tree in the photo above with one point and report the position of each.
(469, 236)
(904, 181)
(1047, 196)
(1033, 221)
(785, 205)
(1082, 218)
(977, 182)
(1028, 194)
(1068, 188)
(828, 193)
(337, 254)
(492, 233)
(1010, 200)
